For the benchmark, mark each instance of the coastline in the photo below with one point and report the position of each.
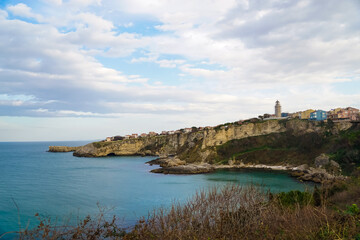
(302, 172)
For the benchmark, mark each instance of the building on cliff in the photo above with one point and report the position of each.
(318, 115)
(277, 109)
(348, 113)
(152, 134)
(306, 114)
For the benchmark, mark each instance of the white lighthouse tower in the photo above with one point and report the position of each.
(277, 109)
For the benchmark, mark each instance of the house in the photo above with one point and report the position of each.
(318, 115)
(333, 111)
(295, 115)
(117, 138)
(143, 135)
(108, 139)
(152, 134)
(134, 135)
(266, 115)
(164, 133)
(171, 132)
(306, 114)
(352, 110)
(355, 117)
(188, 130)
(127, 136)
(348, 113)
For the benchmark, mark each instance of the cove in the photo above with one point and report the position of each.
(61, 186)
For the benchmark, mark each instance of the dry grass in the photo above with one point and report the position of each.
(217, 212)
(237, 212)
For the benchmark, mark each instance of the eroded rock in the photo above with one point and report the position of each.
(186, 169)
(321, 161)
(62, 149)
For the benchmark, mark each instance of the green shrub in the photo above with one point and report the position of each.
(353, 210)
(293, 198)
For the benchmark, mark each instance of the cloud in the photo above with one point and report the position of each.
(195, 61)
(164, 63)
(55, 2)
(22, 10)
(3, 14)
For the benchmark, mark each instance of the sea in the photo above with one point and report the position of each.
(67, 188)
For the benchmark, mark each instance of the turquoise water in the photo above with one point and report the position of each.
(60, 185)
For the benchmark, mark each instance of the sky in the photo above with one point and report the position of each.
(88, 69)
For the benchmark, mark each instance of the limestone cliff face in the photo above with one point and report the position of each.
(142, 146)
(214, 137)
(199, 141)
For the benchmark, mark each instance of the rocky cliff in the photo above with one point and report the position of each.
(177, 143)
(200, 146)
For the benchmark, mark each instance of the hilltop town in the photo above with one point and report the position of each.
(348, 114)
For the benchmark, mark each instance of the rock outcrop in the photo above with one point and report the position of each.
(321, 160)
(186, 169)
(62, 149)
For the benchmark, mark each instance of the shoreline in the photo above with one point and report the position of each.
(302, 172)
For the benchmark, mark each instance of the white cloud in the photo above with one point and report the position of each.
(22, 10)
(3, 14)
(226, 59)
(83, 3)
(55, 2)
(129, 24)
(164, 63)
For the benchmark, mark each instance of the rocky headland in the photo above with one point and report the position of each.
(62, 149)
(310, 150)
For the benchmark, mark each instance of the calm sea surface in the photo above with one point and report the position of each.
(62, 186)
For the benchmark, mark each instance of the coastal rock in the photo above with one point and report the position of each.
(297, 173)
(321, 160)
(333, 168)
(318, 175)
(167, 162)
(303, 167)
(126, 147)
(62, 149)
(334, 164)
(300, 171)
(186, 169)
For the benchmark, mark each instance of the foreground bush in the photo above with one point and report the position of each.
(213, 214)
(231, 212)
(88, 228)
(236, 212)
